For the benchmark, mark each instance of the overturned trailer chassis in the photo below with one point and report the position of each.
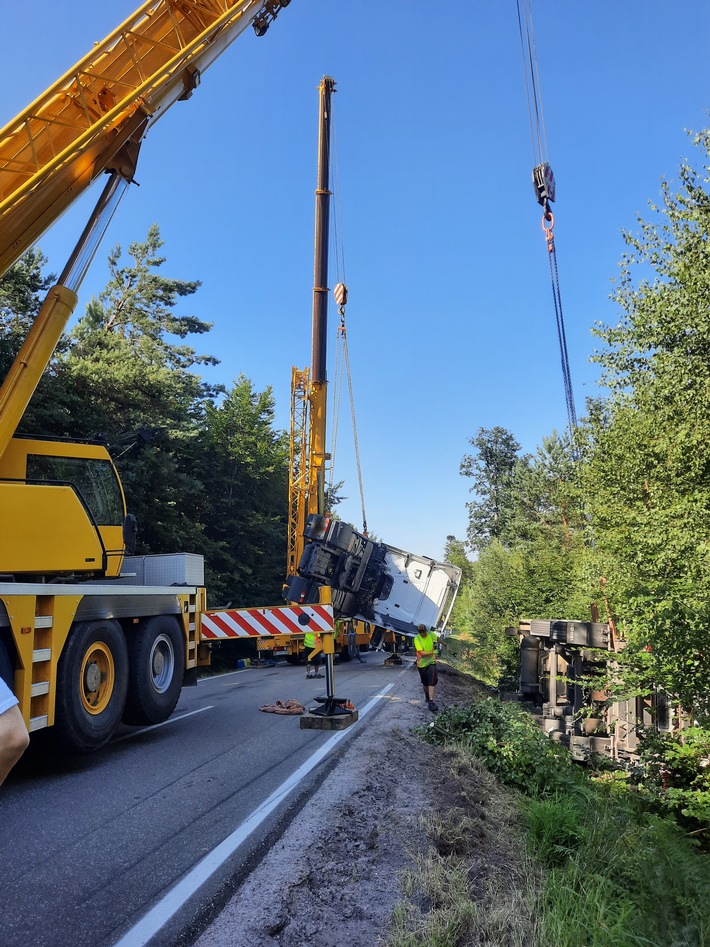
(559, 662)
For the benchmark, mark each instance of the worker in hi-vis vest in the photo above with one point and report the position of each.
(425, 646)
(311, 640)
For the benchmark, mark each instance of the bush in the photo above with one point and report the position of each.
(675, 772)
(617, 874)
(509, 742)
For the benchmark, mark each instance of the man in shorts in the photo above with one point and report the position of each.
(312, 646)
(14, 738)
(425, 646)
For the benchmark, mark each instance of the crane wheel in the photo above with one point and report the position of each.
(92, 681)
(156, 666)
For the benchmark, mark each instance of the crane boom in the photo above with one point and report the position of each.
(309, 386)
(93, 120)
(81, 125)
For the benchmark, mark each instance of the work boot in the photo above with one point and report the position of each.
(432, 706)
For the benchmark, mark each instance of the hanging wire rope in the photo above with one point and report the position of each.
(335, 411)
(348, 374)
(544, 183)
(561, 336)
(532, 82)
(342, 369)
(342, 355)
(336, 208)
(339, 257)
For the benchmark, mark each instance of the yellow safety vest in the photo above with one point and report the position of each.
(309, 640)
(425, 642)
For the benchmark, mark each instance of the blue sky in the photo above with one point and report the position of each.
(450, 319)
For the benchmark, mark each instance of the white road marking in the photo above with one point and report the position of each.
(170, 904)
(129, 736)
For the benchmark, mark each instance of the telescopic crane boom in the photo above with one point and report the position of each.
(91, 121)
(85, 122)
(309, 387)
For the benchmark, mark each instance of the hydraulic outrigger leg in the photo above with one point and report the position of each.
(332, 713)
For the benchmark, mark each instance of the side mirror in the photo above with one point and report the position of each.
(130, 534)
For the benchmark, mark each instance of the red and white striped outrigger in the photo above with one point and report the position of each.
(270, 626)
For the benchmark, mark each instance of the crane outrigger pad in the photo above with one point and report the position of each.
(335, 713)
(312, 721)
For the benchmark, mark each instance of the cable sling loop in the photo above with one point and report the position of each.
(343, 367)
(357, 447)
(337, 395)
(548, 224)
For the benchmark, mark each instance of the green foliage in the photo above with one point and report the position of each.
(22, 291)
(620, 877)
(509, 743)
(675, 773)
(647, 455)
(483, 609)
(532, 563)
(455, 553)
(557, 826)
(491, 470)
(623, 519)
(243, 465)
(616, 874)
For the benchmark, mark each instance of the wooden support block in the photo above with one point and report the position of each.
(336, 722)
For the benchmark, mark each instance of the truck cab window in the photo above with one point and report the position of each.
(94, 480)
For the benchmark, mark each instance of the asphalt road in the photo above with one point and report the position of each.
(92, 847)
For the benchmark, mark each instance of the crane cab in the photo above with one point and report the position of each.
(62, 510)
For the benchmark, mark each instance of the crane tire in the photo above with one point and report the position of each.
(156, 653)
(92, 680)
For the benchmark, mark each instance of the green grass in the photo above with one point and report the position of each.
(615, 873)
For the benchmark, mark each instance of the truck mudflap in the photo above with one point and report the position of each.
(372, 581)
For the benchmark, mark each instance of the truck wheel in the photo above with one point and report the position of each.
(156, 667)
(92, 678)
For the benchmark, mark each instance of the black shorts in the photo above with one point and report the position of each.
(309, 656)
(428, 675)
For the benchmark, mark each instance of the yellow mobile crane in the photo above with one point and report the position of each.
(88, 635)
(374, 588)
(308, 456)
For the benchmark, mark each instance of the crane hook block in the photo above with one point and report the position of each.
(544, 183)
(341, 294)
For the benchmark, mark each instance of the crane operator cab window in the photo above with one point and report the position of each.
(94, 480)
